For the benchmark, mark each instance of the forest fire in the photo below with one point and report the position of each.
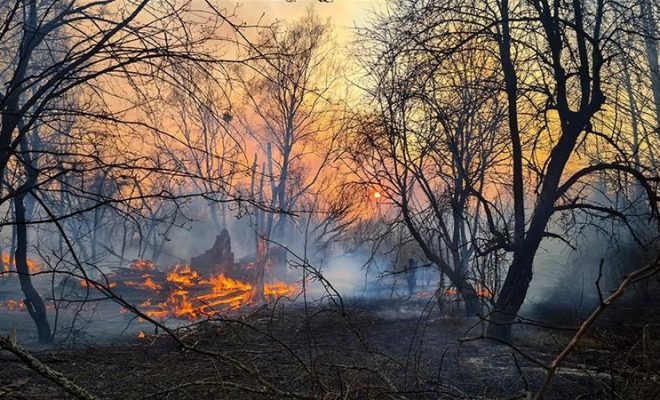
(147, 283)
(86, 284)
(482, 292)
(183, 275)
(428, 199)
(8, 261)
(184, 293)
(206, 298)
(13, 305)
(17, 305)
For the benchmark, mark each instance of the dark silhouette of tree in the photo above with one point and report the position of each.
(553, 59)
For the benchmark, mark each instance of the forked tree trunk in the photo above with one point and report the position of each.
(511, 297)
(515, 287)
(573, 122)
(33, 301)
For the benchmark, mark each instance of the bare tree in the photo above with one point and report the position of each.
(433, 137)
(574, 94)
(290, 98)
(553, 59)
(291, 116)
(91, 61)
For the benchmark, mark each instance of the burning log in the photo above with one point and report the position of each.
(213, 284)
(216, 295)
(141, 276)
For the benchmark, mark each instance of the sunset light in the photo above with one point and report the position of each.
(330, 199)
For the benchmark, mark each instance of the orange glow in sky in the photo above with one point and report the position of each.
(344, 14)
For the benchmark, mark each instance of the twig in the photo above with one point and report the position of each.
(639, 275)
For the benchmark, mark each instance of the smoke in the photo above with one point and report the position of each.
(346, 274)
(567, 280)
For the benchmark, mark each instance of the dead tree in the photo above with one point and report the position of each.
(55, 53)
(290, 100)
(257, 294)
(553, 59)
(434, 132)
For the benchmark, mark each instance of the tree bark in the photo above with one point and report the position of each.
(257, 295)
(469, 295)
(511, 296)
(33, 302)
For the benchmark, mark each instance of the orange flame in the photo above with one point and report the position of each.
(143, 265)
(33, 267)
(85, 284)
(218, 294)
(14, 305)
(183, 275)
(19, 305)
(482, 292)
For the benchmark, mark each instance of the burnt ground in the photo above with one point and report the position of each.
(384, 349)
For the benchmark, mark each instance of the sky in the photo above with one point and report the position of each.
(344, 14)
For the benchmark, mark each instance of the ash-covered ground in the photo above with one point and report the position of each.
(386, 348)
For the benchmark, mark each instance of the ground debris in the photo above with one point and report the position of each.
(355, 353)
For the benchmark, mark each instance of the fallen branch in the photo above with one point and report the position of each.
(56, 377)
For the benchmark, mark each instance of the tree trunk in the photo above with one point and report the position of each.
(33, 302)
(257, 295)
(650, 42)
(12, 247)
(517, 280)
(123, 245)
(469, 295)
(513, 293)
(411, 276)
